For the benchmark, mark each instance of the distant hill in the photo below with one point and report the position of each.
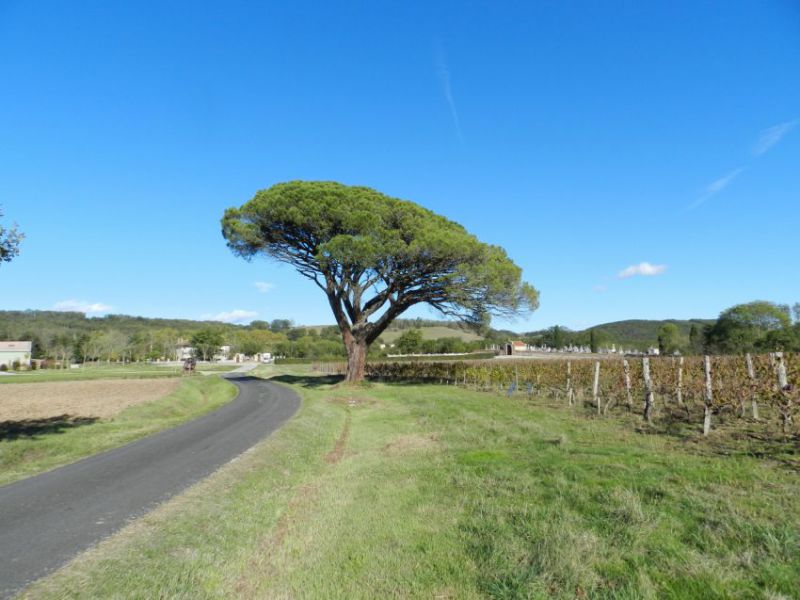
(634, 333)
(433, 333)
(14, 323)
(630, 334)
(639, 333)
(431, 330)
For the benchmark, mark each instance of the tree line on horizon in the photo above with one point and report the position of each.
(70, 336)
(756, 327)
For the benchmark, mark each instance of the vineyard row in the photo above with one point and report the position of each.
(732, 384)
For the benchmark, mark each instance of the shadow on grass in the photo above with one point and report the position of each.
(309, 381)
(730, 435)
(33, 428)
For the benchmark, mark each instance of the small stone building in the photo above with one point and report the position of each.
(515, 347)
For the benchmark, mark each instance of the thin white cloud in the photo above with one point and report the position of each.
(768, 138)
(600, 289)
(89, 308)
(644, 269)
(715, 187)
(444, 77)
(263, 286)
(232, 316)
(771, 136)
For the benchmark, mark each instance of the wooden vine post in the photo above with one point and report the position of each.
(751, 374)
(783, 389)
(628, 397)
(570, 393)
(708, 395)
(596, 386)
(679, 390)
(780, 370)
(648, 391)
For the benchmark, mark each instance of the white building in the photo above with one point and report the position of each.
(15, 352)
(222, 353)
(184, 352)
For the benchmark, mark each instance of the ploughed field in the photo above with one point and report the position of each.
(49, 424)
(93, 398)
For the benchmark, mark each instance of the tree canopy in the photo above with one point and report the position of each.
(206, 343)
(755, 326)
(668, 338)
(410, 342)
(9, 242)
(375, 256)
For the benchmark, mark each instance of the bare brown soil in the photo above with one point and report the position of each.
(336, 454)
(100, 399)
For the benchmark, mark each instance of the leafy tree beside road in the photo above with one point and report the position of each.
(206, 343)
(374, 257)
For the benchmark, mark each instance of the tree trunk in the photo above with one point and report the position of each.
(356, 360)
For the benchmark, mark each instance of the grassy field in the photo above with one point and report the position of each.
(394, 491)
(432, 333)
(112, 371)
(31, 446)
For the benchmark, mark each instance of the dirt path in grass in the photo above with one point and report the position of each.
(301, 503)
(101, 398)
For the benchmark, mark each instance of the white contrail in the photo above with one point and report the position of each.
(771, 136)
(715, 187)
(444, 77)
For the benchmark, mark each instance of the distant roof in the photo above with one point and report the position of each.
(17, 346)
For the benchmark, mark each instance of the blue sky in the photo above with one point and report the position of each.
(637, 160)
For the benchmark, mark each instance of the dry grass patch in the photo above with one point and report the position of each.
(352, 400)
(100, 399)
(414, 442)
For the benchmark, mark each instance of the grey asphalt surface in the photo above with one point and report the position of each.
(48, 519)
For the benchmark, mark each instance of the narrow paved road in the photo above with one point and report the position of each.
(48, 519)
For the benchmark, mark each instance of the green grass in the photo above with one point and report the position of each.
(112, 371)
(396, 491)
(30, 448)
